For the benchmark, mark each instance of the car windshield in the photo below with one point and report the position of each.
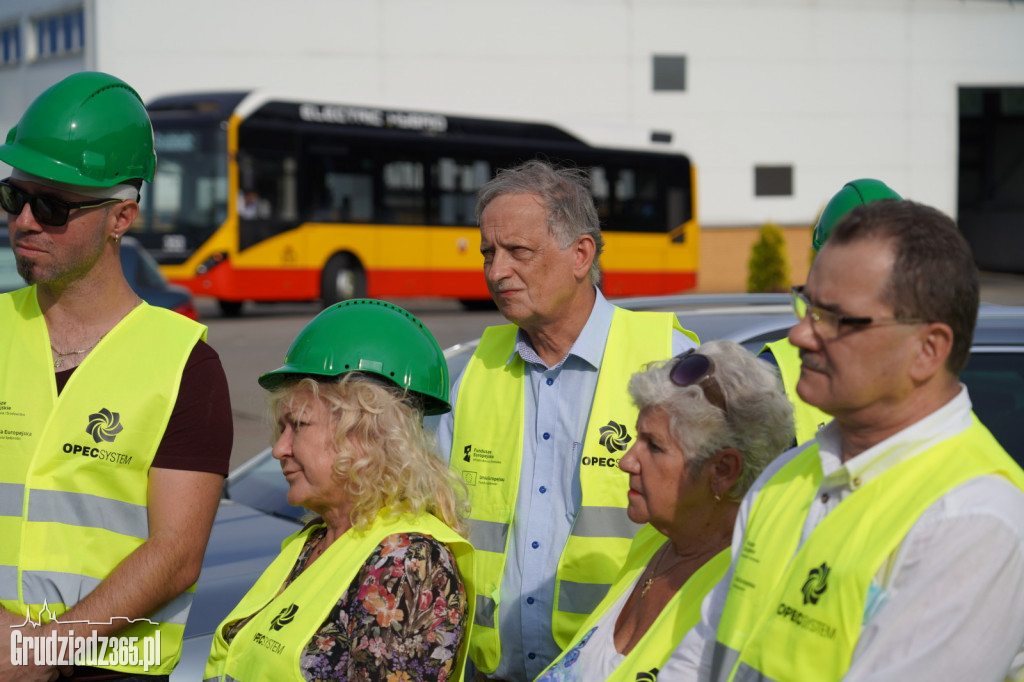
(995, 382)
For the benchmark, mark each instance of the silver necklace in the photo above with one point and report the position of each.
(59, 362)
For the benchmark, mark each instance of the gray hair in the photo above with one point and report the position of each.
(759, 423)
(565, 194)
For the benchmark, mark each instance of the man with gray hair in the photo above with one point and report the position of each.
(541, 418)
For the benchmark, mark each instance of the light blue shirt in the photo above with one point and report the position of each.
(558, 402)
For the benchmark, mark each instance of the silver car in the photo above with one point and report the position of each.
(254, 516)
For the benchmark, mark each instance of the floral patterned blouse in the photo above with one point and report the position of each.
(401, 619)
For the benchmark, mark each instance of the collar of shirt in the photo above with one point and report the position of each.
(949, 420)
(588, 346)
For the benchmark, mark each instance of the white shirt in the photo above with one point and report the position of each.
(594, 657)
(948, 604)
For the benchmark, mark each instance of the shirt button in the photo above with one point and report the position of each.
(856, 482)
(546, 436)
(550, 381)
(531, 655)
(529, 600)
(535, 544)
(824, 498)
(543, 489)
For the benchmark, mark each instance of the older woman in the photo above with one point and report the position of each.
(710, 420)
(372, 587)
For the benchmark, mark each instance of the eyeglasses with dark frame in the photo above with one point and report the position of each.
(694, 369)
(46, 209)
(831, 321)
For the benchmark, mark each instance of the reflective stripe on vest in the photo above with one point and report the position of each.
(679, 615)
(807, 418)
(797, 614)
(600, 537)
(270, 645)
(73, 492)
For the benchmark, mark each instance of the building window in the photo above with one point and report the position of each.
(773, 181)
(669, 73)
(60, 34)
(10, 43)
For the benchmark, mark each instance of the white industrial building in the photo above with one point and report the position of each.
(777, 102)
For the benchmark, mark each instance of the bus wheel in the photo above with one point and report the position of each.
(343, 278)
(230, 308)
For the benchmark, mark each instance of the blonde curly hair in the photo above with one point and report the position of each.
(398, 467)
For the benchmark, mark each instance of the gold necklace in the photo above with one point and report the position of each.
(656, 575)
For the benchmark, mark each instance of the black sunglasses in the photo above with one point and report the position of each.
(47, 209)
(694, 369)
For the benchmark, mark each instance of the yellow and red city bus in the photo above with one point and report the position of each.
(264, 198)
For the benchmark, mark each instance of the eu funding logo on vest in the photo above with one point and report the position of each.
(482, 457)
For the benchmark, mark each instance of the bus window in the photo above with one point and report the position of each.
(402, 201)
(189, 191)
(349, 198)
(336, 185)
(457, 184)
(601, 191)
(638, 203)
(267, 203)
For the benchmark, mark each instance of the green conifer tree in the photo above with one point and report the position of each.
(767, 269)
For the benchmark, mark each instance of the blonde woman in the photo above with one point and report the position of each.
(372, 587)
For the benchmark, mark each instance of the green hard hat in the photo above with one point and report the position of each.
(852, 194)
(375, 337)
(90, 129)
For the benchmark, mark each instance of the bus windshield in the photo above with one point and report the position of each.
(188, 198)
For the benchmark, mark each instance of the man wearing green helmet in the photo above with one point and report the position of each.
(808, 418)
(117, 413)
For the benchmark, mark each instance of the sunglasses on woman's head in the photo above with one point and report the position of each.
(46, 209)
(694, 369)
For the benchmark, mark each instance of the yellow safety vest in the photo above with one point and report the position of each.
(806, 418)
(680, 614)
(270, 645)
(797, 614)
(74, 478)
(487, 446)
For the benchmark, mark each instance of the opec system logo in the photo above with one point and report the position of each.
(104, 426)
(614, 436)
(816, 584)
(286, 616)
